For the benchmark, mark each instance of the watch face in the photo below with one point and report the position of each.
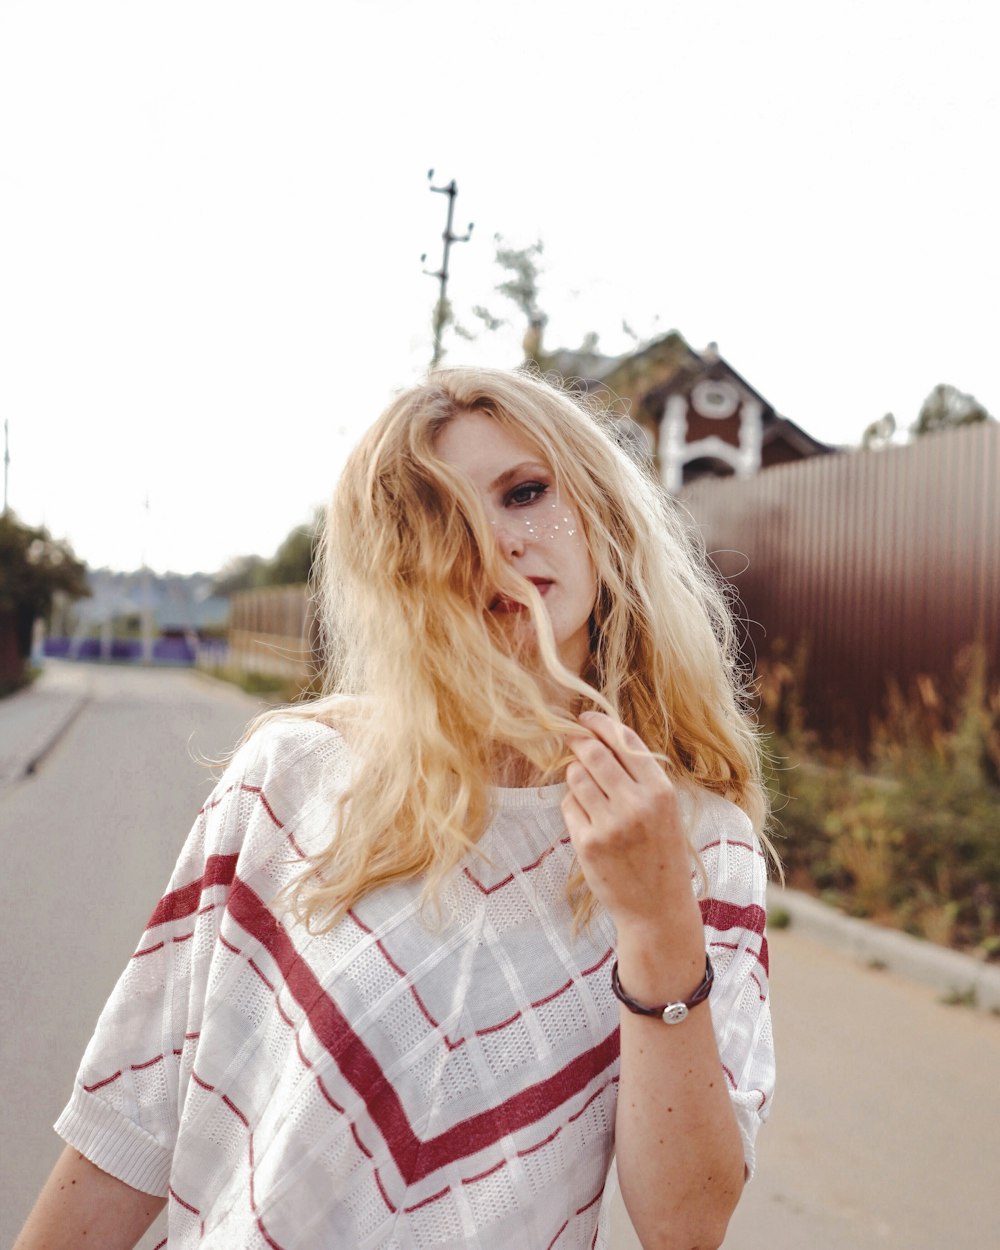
(675, 1013)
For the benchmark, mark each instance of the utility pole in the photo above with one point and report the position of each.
(441, 310)
(6, 462)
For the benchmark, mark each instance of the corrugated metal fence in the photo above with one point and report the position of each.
(883, 564)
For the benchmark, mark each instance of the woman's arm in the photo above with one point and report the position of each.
(679, 1151)
(79, 1200)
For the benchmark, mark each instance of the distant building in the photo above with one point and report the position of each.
(140, 615)
(697, 415)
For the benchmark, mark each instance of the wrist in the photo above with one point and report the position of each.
(664, 960)
(676, 925)
(673, 1012)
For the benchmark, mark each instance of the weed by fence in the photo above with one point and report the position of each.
(912, 839)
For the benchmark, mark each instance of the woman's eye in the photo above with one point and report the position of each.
(526, 493)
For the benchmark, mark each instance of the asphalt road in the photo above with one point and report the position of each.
(89, 843)
(887, 1117)
(886, 1121)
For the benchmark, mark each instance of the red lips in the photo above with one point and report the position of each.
(502, 604)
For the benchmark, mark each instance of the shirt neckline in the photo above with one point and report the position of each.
(506, 798)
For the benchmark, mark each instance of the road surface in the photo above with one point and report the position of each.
(886, 1125)
(89, 843)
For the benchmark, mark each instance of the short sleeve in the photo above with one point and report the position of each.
(123, 1114)
(733, 908)
(128, 1099)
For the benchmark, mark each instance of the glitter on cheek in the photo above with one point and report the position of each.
(548, 529)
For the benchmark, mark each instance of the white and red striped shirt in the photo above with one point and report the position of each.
(389, 1084)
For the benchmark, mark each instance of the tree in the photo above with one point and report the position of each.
(523, 268)
(293, 561)
(290, 565)
(33, 568)
(240, 573)
(946, 408)
(879, 433)
(520, 286)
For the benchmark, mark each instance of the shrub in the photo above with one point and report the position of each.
(912, 836)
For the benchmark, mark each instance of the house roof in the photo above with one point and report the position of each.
(644, 379)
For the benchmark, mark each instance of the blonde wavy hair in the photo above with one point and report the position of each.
(430, 690)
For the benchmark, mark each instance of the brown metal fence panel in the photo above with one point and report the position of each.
(882, 565)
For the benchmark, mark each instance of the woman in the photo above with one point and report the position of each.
(435, 949)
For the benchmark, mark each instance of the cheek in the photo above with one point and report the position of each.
(553, 523)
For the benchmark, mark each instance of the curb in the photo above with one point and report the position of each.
(39, 740)
(960, 978)
(54, 733)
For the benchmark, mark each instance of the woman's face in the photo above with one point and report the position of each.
(537, 532)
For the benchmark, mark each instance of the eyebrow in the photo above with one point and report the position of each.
(509, 475)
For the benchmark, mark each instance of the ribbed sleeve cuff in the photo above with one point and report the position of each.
(748, 1122)
(114, 1144)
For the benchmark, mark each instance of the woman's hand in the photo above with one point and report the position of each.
(680, 1158)
(621, 814)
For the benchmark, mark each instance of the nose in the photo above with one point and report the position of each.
(510, 537)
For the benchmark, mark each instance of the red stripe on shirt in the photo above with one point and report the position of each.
(219, 870)
(414, 1159)
(720, 915)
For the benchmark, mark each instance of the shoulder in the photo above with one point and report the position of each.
(733, 865)
(712, 821)
(290, 767)
(280, 792)
(285, 741)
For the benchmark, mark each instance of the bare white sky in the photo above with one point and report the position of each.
(212, 215)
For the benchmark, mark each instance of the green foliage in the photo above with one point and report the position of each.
(946, 408)
(520, 286)
(911, 838)
(524, 270)
(269, 687)
(292, 562)
(240, 573)
(290, 565)
(879, 433)
(34, 568)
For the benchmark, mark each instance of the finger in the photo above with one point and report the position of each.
(628, 748)
(585, 788)
(601, 764)
(574, 815)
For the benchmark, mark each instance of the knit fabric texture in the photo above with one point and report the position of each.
(394, 1083)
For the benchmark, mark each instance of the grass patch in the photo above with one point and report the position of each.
(960, 998)
(267, 686)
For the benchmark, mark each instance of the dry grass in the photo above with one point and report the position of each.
(911, 837)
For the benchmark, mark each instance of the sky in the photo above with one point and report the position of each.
(212, 216)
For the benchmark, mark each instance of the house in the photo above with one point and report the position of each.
(698, 416)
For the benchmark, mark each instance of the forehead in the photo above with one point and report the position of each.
(482, 448)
